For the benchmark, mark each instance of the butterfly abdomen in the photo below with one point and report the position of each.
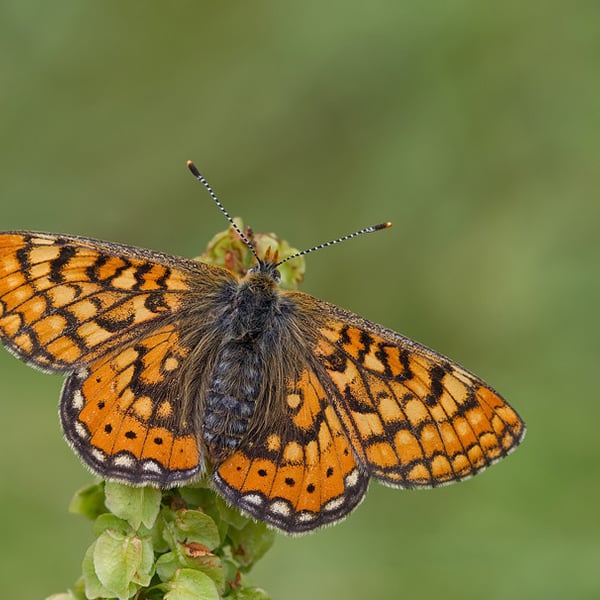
(238, 375)
(235, 386)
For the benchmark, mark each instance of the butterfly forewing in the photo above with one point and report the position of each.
(65, 300)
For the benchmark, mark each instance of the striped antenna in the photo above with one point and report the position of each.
(342, 239)
(192, 167)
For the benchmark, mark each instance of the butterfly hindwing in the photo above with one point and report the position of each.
(125, 417)
(302, 475)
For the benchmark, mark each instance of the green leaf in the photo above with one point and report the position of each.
(199, 557)
(231, 514)
(248, 593)
(201, 497)
(117, 559)
(206, 500)
(110, 521)
(62, 596)
(192, 536)
(250, 543)
(197, 496)
(145, 571)
(166, 565)
(195, 526)
(231, 569)
(92, 585)
(191, 585)
(157, 534)
(135, 504)
(78, 589)
(88, 501)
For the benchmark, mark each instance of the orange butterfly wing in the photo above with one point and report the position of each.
(414, 417)
(302, 475)
(66, 300)
(126, 417)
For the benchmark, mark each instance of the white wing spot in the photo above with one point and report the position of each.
(81, 431)
(352, 478)
(150, 465)
(254, 499)
(306, 516)
(334, 504)
(77, 400)
(124, 461)
(98, 455)
(280, 507)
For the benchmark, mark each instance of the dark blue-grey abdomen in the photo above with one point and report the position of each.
(234, 389)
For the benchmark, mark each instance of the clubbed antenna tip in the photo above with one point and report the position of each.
(192, 167)
(371, 229)
(386, 225)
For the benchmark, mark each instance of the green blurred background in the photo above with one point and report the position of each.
(474, 128)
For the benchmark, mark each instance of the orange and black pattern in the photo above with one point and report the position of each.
(175, 368)
(65, 300)
(417, 418)
(122, 418)
(300, 476)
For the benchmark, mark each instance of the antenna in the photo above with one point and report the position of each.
(192, 167)
(371, 229)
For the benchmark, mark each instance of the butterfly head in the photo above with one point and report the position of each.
(267, 266)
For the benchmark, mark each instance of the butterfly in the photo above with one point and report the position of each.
(176, 369)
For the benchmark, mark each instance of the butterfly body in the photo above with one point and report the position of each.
(176, 368)
(252, 331)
